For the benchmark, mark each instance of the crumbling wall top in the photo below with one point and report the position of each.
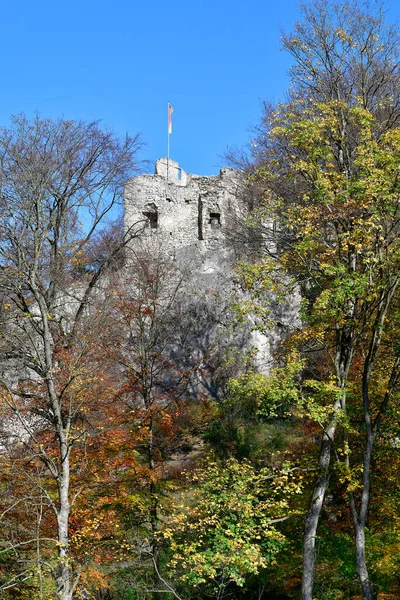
(171, 170)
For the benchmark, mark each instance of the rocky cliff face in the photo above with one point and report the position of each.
(196, 221)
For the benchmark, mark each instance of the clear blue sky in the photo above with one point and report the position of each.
(121, 61)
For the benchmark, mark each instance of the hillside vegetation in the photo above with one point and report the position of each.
(121, 477)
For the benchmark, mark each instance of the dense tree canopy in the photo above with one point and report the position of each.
(55, 176)
(123, 475)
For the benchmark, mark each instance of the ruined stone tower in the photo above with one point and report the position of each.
(193, 219)
(200, 222)
(189, 213)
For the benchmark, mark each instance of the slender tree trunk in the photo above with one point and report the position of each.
(63, 572)
(312, 520)
(359, 522)
(361, 563)
(317, 500)
(310, 533)
(63, 577)
(371, 429)
(38, 552)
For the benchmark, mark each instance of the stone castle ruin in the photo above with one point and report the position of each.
(194, 219)
(186, 211)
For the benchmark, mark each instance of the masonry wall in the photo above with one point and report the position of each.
(194, 219)
(184, 209)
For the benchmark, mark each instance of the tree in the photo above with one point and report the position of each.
(339, 242)
(225, 527)
(319, 155)
(59, 180)
(152, 384)
(346, 52)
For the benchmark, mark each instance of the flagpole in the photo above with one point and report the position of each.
(168, 130)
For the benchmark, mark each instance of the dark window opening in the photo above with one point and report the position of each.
(200, 218)
(152, 219)
(215, 220)
(169, 199)
(179, 174)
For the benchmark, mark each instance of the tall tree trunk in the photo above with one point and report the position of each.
(310, 533)
(361, 564)
(317, 500)
(153, 510)
(63, 572)
(342, 361)
(63, 577)
(313, 515)
(371, 429)
(360, 522)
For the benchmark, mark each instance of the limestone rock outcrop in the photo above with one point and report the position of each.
(196, 220)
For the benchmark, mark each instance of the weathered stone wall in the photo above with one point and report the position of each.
(183, 209)
(193, 219)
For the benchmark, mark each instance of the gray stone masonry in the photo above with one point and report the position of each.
(193, 219)
(185, 210)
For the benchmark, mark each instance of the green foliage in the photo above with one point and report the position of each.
(267, 396)
(223, 529)
(255, 417)
(336, 573)
(339, 240)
